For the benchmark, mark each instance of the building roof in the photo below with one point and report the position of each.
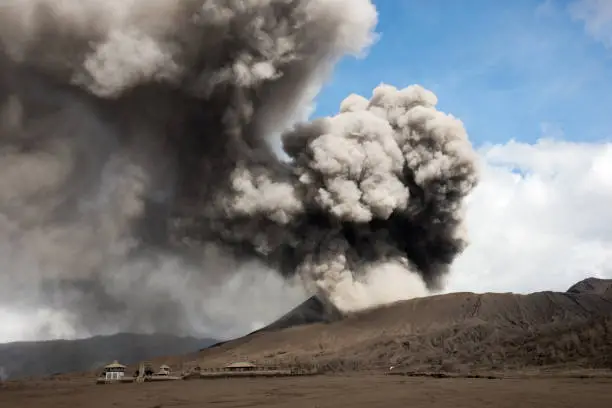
(115, 364)
(241, 364)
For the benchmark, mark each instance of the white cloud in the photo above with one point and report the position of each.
(597, 17)
(541, 218)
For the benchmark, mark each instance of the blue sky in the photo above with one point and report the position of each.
(519, 69)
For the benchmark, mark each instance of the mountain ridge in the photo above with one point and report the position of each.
(489, 330)
(43, 358)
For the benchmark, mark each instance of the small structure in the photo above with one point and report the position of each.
(163, 370)
(114, 371)
(240, 367)
(145, 369)
(191, 371)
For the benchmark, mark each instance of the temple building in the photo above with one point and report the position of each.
(114, 371)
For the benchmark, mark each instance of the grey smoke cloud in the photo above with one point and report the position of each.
(137, 177)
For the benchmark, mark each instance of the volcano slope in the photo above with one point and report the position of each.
(454, 332)
(313, 310)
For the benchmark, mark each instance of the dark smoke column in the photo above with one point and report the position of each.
(380, 189)
(135, 132)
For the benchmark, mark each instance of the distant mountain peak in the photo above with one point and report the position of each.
(592, 285)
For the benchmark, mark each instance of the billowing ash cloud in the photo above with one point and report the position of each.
(136, 171)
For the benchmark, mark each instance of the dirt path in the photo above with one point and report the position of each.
(338, 391)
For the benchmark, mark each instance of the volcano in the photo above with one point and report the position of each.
(456, 331)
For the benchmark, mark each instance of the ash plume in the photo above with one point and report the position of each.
(137, 173)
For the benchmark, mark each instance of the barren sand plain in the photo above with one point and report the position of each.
(357, 390)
